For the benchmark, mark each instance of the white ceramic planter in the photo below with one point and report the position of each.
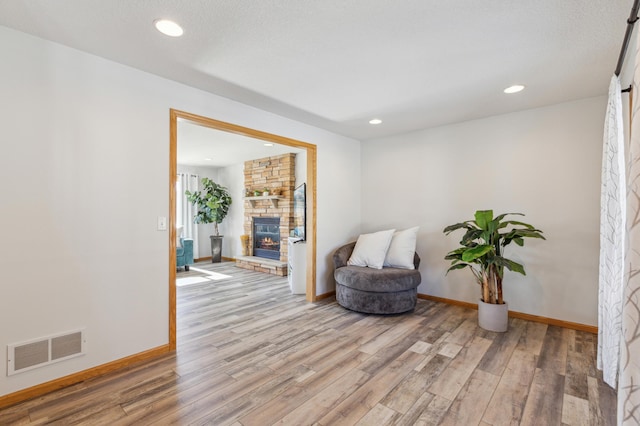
(493, 317)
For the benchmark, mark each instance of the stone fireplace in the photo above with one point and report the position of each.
(271, 173)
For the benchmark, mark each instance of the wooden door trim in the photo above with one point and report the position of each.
(311, 149)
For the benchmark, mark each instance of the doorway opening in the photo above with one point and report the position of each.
(180, 116)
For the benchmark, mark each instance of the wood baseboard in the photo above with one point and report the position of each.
(513, 314)
(202, 259)
(325, 295)
(41, 389)
(448, 301)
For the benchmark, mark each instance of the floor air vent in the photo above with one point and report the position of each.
(43, 351)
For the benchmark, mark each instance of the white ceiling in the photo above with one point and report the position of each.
(202, 146)
(338, 63)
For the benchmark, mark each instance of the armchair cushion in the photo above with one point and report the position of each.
(386, 280)
(375, 291)
(184, 253)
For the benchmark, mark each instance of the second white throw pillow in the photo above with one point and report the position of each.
(371, 249)
(402, 249)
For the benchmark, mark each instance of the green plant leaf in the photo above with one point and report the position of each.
(502, 216)
(483, 218)
(509, 264)
(519, 234)
(455, 254)
(476, 252)
(457, 266)
(492, 227)
(457, 226)
(528, 233)
(515, 222)
(471, 235)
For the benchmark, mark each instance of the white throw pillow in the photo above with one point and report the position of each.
(402, 249)
(371, 249)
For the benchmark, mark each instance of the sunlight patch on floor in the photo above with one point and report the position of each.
(180, 282)
(208, 276)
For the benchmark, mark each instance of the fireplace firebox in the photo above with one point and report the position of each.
(266, 237)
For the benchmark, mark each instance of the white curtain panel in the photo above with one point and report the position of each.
(179, 201)
(612, 226)
(185, 210)
(629, 380)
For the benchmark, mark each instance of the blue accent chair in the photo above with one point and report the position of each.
(184, 253)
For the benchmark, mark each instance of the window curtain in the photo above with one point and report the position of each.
(629, 379)
(612, 226)
(185, 210)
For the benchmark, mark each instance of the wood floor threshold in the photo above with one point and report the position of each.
(513, 314)
(72, 379)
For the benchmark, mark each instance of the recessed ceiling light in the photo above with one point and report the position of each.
(268, 144)
(514, 89)
(207, 159)
(169, 28)
(375, 121)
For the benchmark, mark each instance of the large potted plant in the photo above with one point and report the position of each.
(213, 203)
(482, 248)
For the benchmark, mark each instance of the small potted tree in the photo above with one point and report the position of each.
(482, 252)
(213, 203)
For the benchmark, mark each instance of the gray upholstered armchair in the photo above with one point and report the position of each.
(375, 291)
(184, 253)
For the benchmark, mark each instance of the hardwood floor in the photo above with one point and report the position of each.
(250, 353)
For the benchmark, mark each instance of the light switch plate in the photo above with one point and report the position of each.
(162, 223)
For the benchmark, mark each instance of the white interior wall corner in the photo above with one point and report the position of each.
(543, 162)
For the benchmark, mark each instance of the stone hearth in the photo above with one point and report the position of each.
(260, 264)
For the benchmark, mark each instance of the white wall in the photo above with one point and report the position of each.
(204, 229)
(338, 184)
(233, 226)
(84, 174)
(544, 163)
(301, 168)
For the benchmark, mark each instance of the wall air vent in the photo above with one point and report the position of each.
(43, 351)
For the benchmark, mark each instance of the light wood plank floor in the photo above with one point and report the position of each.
(250, 353)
